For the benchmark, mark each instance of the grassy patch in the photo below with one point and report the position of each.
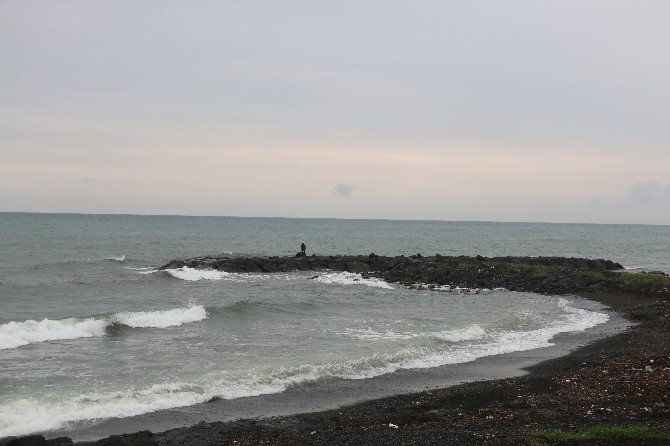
(630, 278)
(463, 264)
(540, 271)
(599, 432)
(497, 264)
(592, 274)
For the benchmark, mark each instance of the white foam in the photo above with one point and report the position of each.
(161, 319)
(346, 278)
(633, 267)
(491, 343)
(193, 274)
(470, 333)
(16, 334)
(369, 334)
(117, 259)
(575, 319)
(459, 290)
(27, 415)
(23, 416)
(146, 270)
(342, 278)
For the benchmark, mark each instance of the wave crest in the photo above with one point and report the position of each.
(193, 274)
(117, 258)
(23, 416)
(161, 319)
(17, 334)
(345, 278)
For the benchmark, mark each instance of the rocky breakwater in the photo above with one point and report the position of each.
(546, 275)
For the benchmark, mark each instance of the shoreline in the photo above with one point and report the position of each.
(565, 392)
(314, 399)
(498, 399)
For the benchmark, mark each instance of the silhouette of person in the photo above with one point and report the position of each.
(303, 247)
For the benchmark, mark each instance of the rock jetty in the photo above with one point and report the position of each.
(546, 275)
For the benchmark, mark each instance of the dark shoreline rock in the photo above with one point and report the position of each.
(545, 275)
(35, 440)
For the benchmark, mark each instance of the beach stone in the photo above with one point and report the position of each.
(28, 440)
(358, 267)
(59, 441)
(142, 438)
(35, 440)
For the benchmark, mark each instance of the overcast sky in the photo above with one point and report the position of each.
(452, 110)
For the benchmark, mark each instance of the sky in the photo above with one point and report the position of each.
(449, 110)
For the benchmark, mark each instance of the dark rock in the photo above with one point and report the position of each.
(336, 265)
(28, 440)
(35, 440)
(358, 267)
(143, 438)
(548, 275)
(59, 441)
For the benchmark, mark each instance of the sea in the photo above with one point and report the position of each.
(91, 329)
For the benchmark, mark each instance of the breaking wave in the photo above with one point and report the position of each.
(117, 259)
(341, 278)
(26, 415)
(345, 278)
(194, 274)
(16, 334)
(161, 319)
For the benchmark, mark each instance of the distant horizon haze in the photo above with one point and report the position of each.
(280, 217)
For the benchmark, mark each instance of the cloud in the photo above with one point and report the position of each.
(651, 193)
(344, 190)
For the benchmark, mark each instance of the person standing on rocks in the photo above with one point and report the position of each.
(303, 247)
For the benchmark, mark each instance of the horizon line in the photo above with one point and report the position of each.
(120, 214)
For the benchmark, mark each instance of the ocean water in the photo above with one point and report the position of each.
(89, 329)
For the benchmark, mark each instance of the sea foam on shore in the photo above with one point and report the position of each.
(27, 415)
